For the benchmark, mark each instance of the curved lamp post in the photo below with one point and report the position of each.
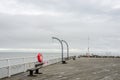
(67, 48)
(61, 48)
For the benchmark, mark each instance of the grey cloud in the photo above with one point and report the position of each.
(77, 20)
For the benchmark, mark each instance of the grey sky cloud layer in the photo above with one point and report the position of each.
(32, 23)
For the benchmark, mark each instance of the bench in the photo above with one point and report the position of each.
(35, 69)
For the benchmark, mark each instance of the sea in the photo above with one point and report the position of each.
(10, 55)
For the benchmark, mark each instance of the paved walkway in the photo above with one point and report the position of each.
(80, 69)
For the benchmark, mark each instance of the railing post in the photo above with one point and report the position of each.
(9, 74)
(24, 64)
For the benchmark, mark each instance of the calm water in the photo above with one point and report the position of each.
(4, 55)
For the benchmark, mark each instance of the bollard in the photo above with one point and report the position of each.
(64, 62)
(74, 57)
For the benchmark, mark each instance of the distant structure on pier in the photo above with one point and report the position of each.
(88, 52)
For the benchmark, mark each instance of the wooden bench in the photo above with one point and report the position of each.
(35, 69)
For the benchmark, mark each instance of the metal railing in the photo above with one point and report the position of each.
(11, 66)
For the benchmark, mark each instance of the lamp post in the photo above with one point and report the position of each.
(63, 61)
(88, 48)
(67, 48)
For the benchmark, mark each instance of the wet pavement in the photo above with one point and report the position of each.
(79, 69)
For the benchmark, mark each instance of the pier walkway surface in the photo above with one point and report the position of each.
(79, 69)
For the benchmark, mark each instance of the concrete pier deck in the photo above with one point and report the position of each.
(79, 69)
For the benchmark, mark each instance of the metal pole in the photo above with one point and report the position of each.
(61, 47)
(88, 44)
(67, 48)
(24, 64)
(9, 73)
(88, 47)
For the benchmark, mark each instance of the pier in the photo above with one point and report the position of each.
(79, 69)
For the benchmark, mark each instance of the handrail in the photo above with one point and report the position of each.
(16, 58)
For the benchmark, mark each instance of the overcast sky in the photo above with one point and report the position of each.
(32, 23)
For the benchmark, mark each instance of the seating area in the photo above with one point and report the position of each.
(35, 70)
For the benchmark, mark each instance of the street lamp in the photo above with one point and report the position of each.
(67, 48)
(63, 61)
